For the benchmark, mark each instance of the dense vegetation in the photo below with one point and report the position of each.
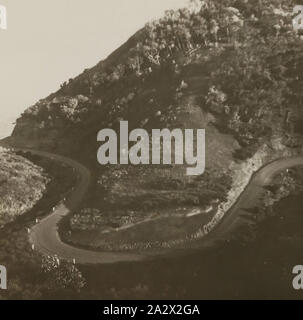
(258, 78)
(252, 61)
(255, 263)
(22, 185)
(32, 276)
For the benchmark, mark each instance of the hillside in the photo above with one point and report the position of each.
(232, 67)
(22, 185)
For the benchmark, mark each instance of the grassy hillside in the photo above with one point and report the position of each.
(22, 185)
(32, 276)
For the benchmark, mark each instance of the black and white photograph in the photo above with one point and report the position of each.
(151, 150)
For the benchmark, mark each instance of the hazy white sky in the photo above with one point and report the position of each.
(50, 41)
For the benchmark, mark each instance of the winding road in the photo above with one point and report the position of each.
(250, 197)
(45, 238)
(44, 235)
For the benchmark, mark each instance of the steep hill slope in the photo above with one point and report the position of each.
(220, 58)
(232, 67)
(22, 184)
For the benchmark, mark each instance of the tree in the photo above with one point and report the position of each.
(64, 275)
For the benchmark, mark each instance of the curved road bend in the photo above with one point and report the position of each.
(46, 239)
(44, 235)
(249, 198)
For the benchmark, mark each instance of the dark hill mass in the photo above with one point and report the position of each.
(233, 67)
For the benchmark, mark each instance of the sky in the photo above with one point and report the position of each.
(49, 41)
